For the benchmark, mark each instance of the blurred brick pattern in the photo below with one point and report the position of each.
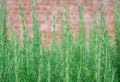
(46, 9)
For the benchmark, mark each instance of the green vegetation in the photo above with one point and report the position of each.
(117, 38)
(71, 60)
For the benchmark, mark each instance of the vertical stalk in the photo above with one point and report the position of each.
(25, 42)
(16, 59)
(97, 52)
(4, 42)
(81, 43)
(37, 48)
(68, 45)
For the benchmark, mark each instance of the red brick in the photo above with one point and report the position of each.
(47, 8)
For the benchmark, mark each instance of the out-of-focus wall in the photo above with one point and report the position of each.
(46, 9)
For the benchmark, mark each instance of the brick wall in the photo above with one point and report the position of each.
(47, 8)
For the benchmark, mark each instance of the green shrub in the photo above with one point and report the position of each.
(68, 61)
